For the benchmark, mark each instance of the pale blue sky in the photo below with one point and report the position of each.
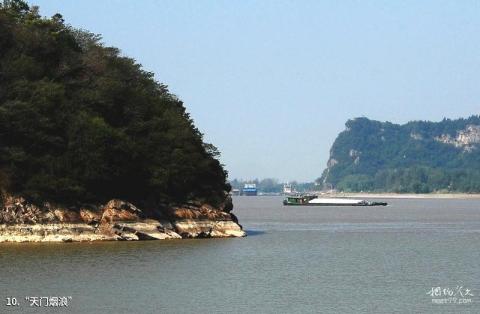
(271, 83)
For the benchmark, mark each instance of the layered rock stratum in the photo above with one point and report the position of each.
(21, 221)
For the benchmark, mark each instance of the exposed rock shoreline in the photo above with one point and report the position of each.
(21, 221)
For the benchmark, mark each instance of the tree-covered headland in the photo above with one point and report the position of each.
(418, 157)
(81, 123)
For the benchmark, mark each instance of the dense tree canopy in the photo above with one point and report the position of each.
(79, 122)
(414, 157)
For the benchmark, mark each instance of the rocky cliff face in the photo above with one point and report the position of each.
(21, 221)
(468, 139)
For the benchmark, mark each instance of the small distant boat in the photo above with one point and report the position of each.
(288, 189)
(313, 200)
(249, 189)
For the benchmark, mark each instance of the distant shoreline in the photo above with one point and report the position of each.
(408, 195)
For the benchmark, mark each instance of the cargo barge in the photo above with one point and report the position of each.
(313, 200)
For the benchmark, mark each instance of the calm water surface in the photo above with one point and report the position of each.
(295, 259)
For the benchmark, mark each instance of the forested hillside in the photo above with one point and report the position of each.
(418, 157)
(80, 122)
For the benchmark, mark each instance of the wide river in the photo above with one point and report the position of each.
(413, 256)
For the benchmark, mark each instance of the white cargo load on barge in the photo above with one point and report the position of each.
(336, 201)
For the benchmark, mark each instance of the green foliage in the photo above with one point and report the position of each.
(81, 123)
(356, 182)
(375, 156)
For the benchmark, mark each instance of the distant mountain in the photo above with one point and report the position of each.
(418, 157)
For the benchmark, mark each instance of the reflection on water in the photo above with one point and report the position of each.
(254, 232)
(295, 259)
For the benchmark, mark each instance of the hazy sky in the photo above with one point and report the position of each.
(271, 83)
